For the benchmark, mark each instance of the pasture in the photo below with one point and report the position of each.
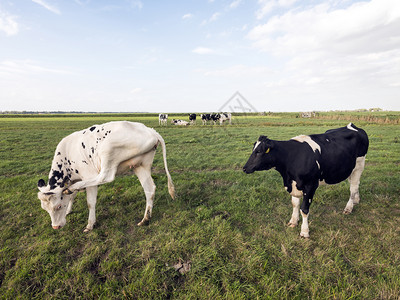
(225, 229)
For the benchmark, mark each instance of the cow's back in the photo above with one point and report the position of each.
(340, 149)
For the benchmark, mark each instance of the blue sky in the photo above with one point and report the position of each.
(192, 56)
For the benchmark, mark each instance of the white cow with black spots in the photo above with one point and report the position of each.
(85, 159)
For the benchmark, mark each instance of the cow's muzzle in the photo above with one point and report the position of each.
(247, 171)
(57, 227)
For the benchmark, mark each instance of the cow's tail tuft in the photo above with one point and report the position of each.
(171, 187)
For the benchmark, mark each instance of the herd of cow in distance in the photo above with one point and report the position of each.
(93, 156)
(212, 118)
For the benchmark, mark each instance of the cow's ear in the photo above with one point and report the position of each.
(44, 196)
(41, 183)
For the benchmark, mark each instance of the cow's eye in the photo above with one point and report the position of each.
(58, 207)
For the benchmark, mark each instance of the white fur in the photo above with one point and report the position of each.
(309, 141)
(354, 180)
(296, 210)
(350, 127)
(256, 145)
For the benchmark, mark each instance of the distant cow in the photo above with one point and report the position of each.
(180, 122)
(162, 119)
(215, 118)
(225, 117)
(205, 118)
(94, 156)
(306, 161)
(192, 118)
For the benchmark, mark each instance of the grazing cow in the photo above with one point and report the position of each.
(94, 156)
(225, 117)
(215, 118)
(162, 119)
(180, 122)
(192, 118)
(306, 161)
(205, 118)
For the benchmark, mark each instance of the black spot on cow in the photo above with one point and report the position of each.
(92, 150)
(85, 162)
(58, 153)
(69, 162)
(84, 132)
(58, 175)
(52, 183)
(76, 171)
(59, 166)
(83, 145)
(92, 128)
(98, 130)
(90, 156)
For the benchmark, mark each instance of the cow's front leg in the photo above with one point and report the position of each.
(295, 215)
(308, 195)
(71, 202)
(91, 194)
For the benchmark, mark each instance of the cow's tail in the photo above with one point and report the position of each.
(171, 187)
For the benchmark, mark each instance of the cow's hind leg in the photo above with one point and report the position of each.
(143, 172)
(296, 211)
(354, 180)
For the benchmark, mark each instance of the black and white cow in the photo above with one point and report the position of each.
(192, 118)
(205, 118)
(94, 156)
(215, 118)
(162, 119)
(225, 117)
(180, 122)
(306, 161)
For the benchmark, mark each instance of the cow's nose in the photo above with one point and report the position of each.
(56, 227)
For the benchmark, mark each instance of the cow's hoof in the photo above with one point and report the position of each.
(290, 224)
(144, 222)
(87, 230)
(305, 235)
(347, 211)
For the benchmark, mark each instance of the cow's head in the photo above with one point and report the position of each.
(262, 157)
(55, 201)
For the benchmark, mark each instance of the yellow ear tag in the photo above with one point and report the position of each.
(268, 150)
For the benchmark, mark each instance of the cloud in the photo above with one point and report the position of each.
(136, 4)
(187, 16)
(238, 71)
(48, 6)
(267, 6)
(26, 67)
(203, 50)
(213, 18)
(325, 43)
(8, 24)
(136, 91)
(323, 28)
(235, 4)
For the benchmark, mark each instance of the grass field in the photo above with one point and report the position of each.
(229, 227)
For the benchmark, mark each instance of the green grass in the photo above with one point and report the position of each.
(230, 226)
